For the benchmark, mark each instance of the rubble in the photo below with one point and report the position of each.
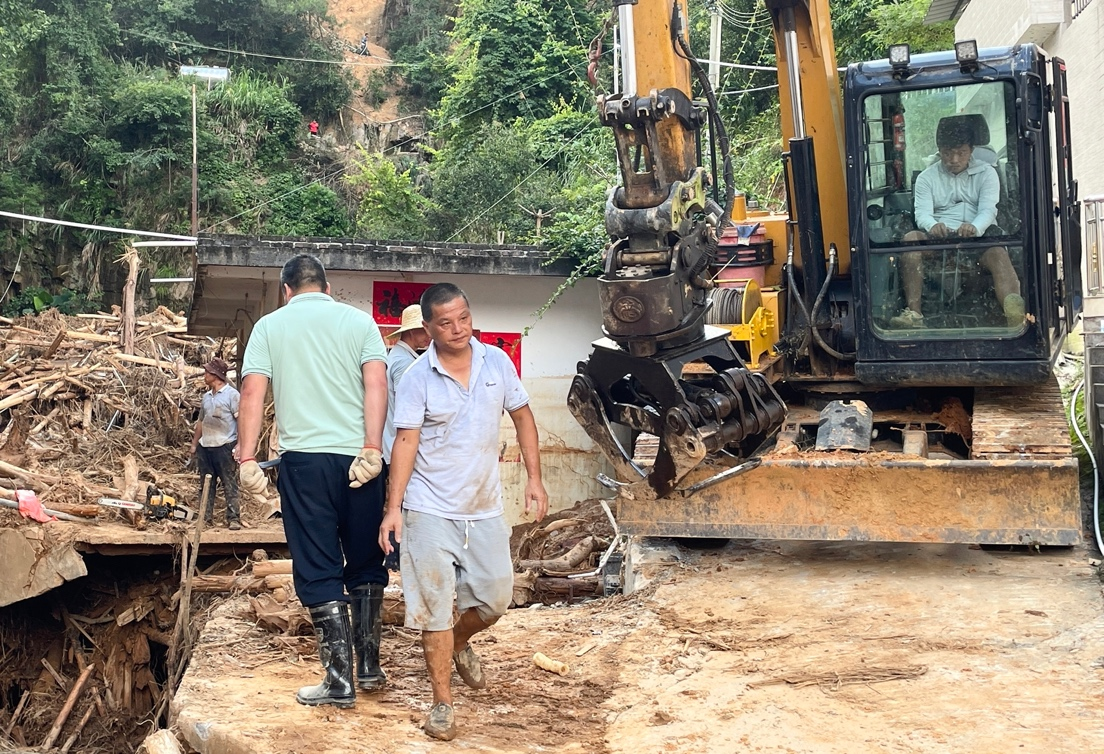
(81, 418)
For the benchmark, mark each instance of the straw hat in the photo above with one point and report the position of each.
(411, 320)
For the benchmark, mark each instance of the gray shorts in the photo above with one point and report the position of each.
(441, 558)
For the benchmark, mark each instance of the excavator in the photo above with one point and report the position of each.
(845, 369)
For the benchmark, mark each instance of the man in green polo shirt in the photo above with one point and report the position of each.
(326, 362)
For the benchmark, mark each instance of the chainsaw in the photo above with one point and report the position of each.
(158, 506)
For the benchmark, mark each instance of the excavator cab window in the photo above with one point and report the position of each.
(943, 212)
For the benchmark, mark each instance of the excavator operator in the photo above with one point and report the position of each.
(957, 197)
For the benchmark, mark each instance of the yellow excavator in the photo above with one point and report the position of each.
(878, 362)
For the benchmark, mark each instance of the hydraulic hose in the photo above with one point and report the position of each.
(726, 157)
(1096, 469)
(832, 263)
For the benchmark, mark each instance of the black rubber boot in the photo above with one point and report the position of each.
(335, 649)
(367, 625)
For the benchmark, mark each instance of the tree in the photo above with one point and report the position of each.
(389, 206)
(902, 22)
(516, 59)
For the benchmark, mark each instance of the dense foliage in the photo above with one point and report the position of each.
(97, 122)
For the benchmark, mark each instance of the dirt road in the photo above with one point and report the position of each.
(761, 647)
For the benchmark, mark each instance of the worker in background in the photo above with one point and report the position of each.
(412, 340)
(216, 435)
(326, 364)
(312, 127)
(957, 196)
(445, 498)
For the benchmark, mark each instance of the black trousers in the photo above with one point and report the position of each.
(219, 463)
(332, 530)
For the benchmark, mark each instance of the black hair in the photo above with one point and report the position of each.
(953, 132)
(303, 271)
(438, 294)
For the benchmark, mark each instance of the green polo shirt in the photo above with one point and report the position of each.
(312, 350)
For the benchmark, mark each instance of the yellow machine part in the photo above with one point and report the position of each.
(758, 325)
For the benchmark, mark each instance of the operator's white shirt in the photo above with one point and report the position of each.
(969, 197)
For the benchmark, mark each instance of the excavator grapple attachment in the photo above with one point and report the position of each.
(732, 410)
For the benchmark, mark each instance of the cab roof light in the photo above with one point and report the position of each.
(899, 57)
(966, 53)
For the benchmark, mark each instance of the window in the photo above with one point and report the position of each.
(942, 211)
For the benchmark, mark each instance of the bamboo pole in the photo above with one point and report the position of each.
(63, 715)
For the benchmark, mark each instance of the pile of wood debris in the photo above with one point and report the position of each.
(560, 559)
(83, 416)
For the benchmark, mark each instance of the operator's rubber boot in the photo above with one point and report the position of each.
(335, 649)
(367, 626)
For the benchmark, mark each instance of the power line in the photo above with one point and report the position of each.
(385, 62)
(522, 182)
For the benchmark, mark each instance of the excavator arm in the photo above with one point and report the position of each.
(654, 288)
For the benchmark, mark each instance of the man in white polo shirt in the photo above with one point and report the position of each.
(445, 498)
(325, 361)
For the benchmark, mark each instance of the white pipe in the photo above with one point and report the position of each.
(715, 49)
(86, 226)
(1096, 469)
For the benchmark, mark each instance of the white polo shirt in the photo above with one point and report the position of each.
(456, 469)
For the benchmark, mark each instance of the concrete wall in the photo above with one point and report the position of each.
(1078, 41)
(555, 344)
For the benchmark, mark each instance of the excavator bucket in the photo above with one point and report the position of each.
(1019, 486)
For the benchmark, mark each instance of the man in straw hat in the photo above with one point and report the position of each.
(412, 340)
(216, 434)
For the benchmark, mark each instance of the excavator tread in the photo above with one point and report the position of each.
(1019, 422)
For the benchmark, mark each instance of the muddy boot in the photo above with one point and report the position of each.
(335, 649)
(367, 625)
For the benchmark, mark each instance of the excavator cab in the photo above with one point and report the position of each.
(990, 305)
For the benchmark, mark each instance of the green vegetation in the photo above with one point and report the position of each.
(97, 122)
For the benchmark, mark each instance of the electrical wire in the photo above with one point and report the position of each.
(1096, 469)
(522, 182)
(747, 91)
(384, 62)
(452, 121)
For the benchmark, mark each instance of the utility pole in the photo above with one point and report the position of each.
(715, 46)
(195, 169)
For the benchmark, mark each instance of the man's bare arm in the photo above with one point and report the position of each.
(375, 401)
(250, 413)
(403, 454)
(525, 424)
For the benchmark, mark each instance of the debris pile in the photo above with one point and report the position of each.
(83, 417)
(91, 671)
(560, 559)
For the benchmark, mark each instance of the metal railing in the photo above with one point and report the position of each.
(1094, 244)
(1077, 6)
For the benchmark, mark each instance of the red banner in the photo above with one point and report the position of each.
(510, 342)
(389, 299)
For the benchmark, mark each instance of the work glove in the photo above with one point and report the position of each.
(366, 466)
(253, 480)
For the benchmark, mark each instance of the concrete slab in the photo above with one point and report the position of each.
(30, 566)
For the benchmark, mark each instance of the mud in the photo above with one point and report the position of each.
(978, 650)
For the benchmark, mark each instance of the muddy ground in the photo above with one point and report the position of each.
(763, 647)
